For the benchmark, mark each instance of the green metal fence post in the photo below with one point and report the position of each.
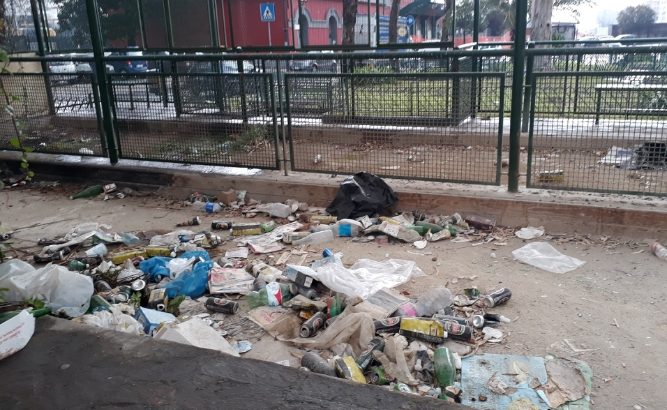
(175, 86)
(576, 83)
(215, 42)
(244, 105)
(519, 56)
(100, 70)
(530, 64)
(142, 23)
(475, 40)
(41, 50)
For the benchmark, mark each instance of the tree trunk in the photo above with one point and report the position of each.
(393, 21)
(349, 20)
(540, 17)
(446, 22)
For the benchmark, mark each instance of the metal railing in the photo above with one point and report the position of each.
(430, 115)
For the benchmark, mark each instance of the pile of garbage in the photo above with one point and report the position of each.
(347, 320)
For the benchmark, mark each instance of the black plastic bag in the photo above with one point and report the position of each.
(362, 194)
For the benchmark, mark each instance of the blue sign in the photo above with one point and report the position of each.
(267, 12)
(410, 20)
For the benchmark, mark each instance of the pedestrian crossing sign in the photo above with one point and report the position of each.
(267, 12)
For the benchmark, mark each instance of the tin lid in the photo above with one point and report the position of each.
(138, 285)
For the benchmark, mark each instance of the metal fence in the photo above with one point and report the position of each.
(415, 126)
(53, 113)
(607, 134)
(593, 117)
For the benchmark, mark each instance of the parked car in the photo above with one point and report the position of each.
(323, 65)
(130, 66)
(63, 71)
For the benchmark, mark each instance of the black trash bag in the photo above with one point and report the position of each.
(362, 194)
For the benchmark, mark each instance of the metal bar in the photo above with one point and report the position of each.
(301, 16)
(175, 85)
(598, 105)
(564, 99)
(40, 49)
(453, 21)
(531, 132)
(231, 23)
(286, 79)
(244, 107)
(142, 25)
(100, 69)
(377, 23)
(213, 24)
(45, 24)
(501, 116)
(270, 89)
(519, 56)
(475, 23)
(368, 9)
(576, 83)
(530, 64)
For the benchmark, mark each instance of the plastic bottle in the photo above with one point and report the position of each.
(261, 298)
(265, 272)
(98, 250)
(445, 370)
(659, 251)
(432, 301)
(90, 192)
(208, 207)
(347, 228)
(316, 238)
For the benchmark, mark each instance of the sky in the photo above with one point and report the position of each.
(590, 15)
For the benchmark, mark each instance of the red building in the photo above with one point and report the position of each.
(316, 22)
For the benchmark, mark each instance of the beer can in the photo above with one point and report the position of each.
(478, 321)
(457, 331)
(312, 325)
(158, 296)
(450, 318)
(323, 219)
(295, 289)
(221, 225)
(246, 229)
(497, 297)
(138, 285)
(388, 325)
(221, 305)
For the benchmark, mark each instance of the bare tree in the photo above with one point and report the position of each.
(540, 17)
(349, 20)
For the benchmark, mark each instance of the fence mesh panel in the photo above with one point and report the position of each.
(417, 126)
(606, 134)
(55, 113)
(217, 119)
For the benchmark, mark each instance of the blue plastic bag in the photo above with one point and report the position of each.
(155, 267)
(193, 283)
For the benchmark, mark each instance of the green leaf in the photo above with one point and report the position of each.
(28, 149)
(24, 165)
(15, 143)
(14, 98)
(31, 174)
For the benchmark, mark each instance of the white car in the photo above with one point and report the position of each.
(62, 67)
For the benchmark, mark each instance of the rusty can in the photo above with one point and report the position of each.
(497, 297)
(312, 325)
(221, 305)
(158, 299)
(457, 331)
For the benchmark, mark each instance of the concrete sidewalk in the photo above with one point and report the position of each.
(70, 366)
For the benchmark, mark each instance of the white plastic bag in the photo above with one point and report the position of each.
(529, 232)
(169, 239)
(62, 290)
(112, 319)
(366, 276)
(275, 209)
(15, 333)
(546, 257)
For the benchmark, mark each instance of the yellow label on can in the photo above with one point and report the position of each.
(425, 329)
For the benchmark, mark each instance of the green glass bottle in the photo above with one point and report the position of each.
(445, 370)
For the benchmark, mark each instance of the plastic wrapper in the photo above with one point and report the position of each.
(112, 319)
(62, 290)
(170, 239)
(546, 257)
(366, 276)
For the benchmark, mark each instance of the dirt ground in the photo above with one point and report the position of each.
(612, 307)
